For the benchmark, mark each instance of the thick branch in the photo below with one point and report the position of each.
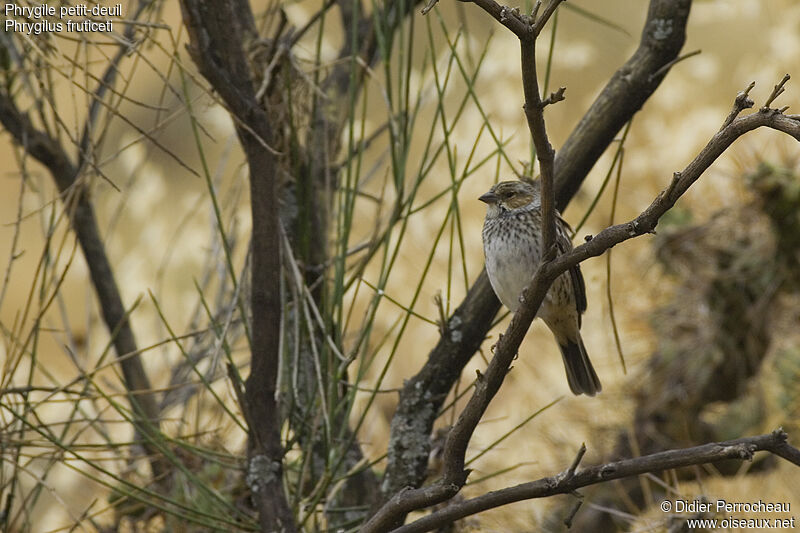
(629, 88)
(567, 481)
(218, 50)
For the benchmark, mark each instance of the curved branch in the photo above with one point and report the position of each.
(569, 481)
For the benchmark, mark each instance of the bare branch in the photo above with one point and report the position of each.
(776, 92)
(788, 452)
(218, 51)
(535, 9)
(106, 81)
(741, 103)
(431, 3)
(647, 220)
(544, 151)
(519, 24)
(554, 97)
(663, 70)
(574, 509)
(541, 22)
(742, 449)
(577, 460)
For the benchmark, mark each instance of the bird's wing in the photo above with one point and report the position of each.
(564, 246)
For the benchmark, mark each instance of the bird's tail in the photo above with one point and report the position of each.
(580, 373)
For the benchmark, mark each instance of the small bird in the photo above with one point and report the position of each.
(513, 249)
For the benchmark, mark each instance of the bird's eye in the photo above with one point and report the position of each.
(507, 194)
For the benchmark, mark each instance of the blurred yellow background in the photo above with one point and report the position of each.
(157, 226)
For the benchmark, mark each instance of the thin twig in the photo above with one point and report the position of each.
(541, 22)
(429, 6)
(740, 103)
(577, 461)
(671, 64)
(554, 97)
(105, 82)
(574, 509)
(776, 92)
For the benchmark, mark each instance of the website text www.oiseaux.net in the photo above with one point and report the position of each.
(727, 520)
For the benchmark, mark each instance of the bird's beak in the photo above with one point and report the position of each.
(488, 198)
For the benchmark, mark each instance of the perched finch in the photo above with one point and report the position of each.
(513, 248)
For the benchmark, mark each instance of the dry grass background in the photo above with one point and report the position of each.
(158, 231)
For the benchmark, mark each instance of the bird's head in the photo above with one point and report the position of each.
(509, 196)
